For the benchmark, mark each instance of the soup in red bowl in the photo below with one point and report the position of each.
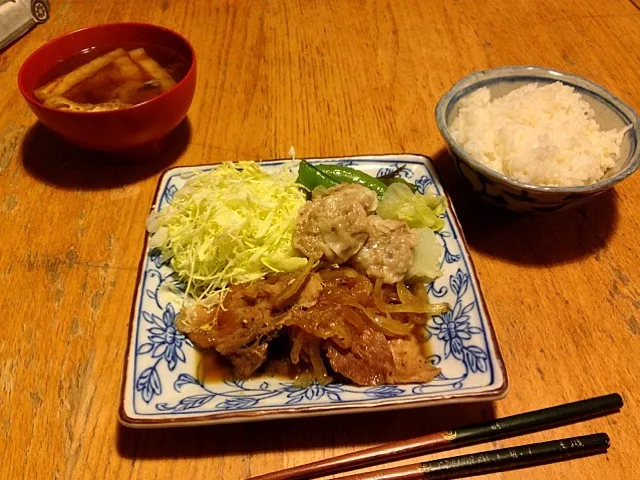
(111, 87)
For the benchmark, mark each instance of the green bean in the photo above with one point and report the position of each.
(349, 175)
(311, 177)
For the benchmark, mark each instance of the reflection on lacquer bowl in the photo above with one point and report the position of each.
(159, 71)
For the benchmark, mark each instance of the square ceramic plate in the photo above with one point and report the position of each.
(161, 385)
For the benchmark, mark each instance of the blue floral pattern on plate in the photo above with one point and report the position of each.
(162, 385)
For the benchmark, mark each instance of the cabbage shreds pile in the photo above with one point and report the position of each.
(232, 224)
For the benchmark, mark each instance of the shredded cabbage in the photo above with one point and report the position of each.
(418, 210)
(232, 224)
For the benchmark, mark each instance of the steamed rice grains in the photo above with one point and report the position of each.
(542, 135)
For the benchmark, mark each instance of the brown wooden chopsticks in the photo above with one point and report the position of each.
(494, 460)
(482, 432)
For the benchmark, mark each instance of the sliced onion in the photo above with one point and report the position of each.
(291, 290)
(405, 296)
(342, 336)
(438, 308)
(354, 318)
(384, 323)
(298, 341)
(391, 327)
(410, 303)
(378, 300)
(313, 349)
(429, 309)
(417, 318)
(434, 308)
(339, 274)
(420, 292)
(304, 380)
(337, 329)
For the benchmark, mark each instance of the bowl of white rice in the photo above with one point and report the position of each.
(537, 140)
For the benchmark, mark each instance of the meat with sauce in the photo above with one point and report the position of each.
(247, 360)
(388, 251)
(334, 224)
(242, 326)
(329, 318)
(310, 291)
(369, 361)
(410, 365)
(375, 360)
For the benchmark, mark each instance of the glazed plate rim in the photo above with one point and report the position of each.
(494, 391)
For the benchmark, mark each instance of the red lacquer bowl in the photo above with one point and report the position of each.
(115, 130)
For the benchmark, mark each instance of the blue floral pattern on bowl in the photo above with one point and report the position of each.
(162, 385)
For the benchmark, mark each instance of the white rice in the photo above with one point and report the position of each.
(543, 135)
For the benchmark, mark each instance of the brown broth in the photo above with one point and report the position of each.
(104, 86)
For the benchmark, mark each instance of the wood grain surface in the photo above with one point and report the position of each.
(332, 78)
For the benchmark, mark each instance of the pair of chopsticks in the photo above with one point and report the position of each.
(477, 463)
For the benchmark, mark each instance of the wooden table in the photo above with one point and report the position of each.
(331, 78)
